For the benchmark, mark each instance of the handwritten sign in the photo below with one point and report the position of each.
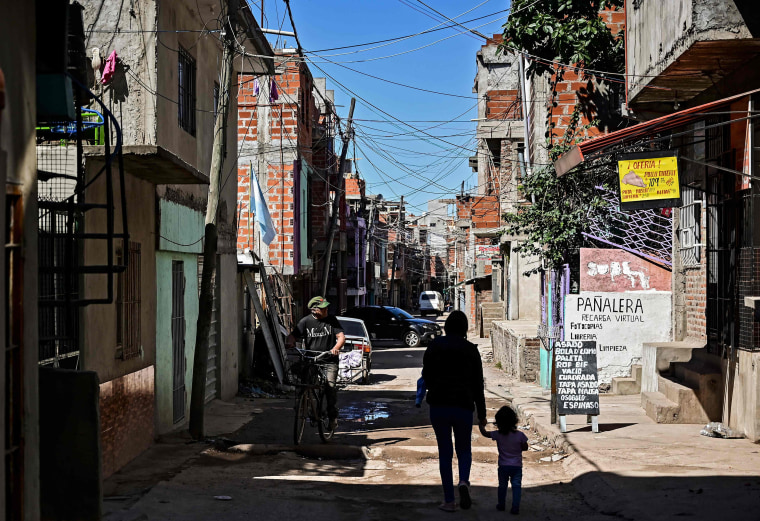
(619, 323)
(648, 180)
(577, 384)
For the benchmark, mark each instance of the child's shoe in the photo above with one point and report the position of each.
(500, 508)
(448, 507)
(514, 511)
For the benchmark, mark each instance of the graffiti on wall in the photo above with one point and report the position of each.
(617, 271)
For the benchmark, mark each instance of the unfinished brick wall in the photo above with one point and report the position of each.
(518, 355)
(574, 90)
(503, 104)
(126, 418)
(291, 120)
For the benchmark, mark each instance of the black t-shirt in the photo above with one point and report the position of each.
(318, 335)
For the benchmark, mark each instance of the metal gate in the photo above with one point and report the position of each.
(179, 395)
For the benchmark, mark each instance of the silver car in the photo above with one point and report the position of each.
(356, 356)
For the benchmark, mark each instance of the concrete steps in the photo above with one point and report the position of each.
(628, 384)
(659, 408)
(686, 387)
(675, 403)
(490, 312)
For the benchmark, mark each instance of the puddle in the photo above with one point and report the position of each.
(365, 413)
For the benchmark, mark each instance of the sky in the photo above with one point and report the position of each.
(409, 142)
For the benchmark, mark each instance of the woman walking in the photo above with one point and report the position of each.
(453, 374)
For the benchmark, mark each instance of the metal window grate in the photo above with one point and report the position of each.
(645, 232)
(128, 297)
(186, 93)
(690, 230)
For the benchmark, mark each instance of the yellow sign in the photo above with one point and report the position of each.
(648, 179)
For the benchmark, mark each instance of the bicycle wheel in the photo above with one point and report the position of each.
(323, 422)
(301, 412)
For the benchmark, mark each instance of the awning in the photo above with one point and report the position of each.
(473, 280)
(454, 286)
(577, 154)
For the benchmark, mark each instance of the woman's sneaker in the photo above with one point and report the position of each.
(465, 501)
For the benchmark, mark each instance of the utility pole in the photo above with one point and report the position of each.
(395, 252)
(339, 190)
(206, 299)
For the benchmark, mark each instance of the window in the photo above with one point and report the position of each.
(186, 98)
(689, 229)
(128, 292)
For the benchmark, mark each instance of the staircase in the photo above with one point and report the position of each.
(688, 392)
(490, 312)
(628, 384)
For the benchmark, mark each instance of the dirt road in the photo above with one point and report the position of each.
(382, 464)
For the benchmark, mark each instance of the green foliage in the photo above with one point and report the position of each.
(562, 209)
(567, 31)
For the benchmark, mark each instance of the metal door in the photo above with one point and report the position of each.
(179, 362)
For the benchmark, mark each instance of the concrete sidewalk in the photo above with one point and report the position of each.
(635, 468)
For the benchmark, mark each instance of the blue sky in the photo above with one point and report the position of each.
(428, 161)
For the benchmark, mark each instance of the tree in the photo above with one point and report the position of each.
(568, 32)
(561, 210)
(565, 31)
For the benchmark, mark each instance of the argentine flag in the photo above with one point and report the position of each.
(268, 231)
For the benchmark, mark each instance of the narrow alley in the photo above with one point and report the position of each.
(382, 463)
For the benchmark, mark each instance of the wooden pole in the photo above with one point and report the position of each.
(336, 201)
(206, 299)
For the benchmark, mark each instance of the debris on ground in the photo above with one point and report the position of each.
(718, 430)
(259, 388)
(223, 498)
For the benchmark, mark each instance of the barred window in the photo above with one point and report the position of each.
(128, 298)
(689, 228)
(186, 85)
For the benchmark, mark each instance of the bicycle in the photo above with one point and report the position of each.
(309, 377)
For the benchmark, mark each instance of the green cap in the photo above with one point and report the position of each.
(318, 302)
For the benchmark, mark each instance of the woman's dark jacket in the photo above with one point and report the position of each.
(453, 374)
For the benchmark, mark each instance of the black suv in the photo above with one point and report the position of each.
(386, 322)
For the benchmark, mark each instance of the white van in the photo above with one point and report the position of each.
(431, 302)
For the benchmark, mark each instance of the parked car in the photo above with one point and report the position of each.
(387, 322)
(357, 340)
(431, 302)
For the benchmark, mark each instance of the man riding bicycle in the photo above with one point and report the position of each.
(321, 331)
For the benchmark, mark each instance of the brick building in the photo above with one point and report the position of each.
(286, 133)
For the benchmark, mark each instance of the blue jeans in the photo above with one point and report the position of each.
(507, 472)
(445, 420)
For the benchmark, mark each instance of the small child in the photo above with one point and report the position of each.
(421, 391)
(511, 444)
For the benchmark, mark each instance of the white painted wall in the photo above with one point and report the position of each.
(620, 323)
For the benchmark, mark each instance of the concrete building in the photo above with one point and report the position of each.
(19, 424)
(123, 314)
(500, 165)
